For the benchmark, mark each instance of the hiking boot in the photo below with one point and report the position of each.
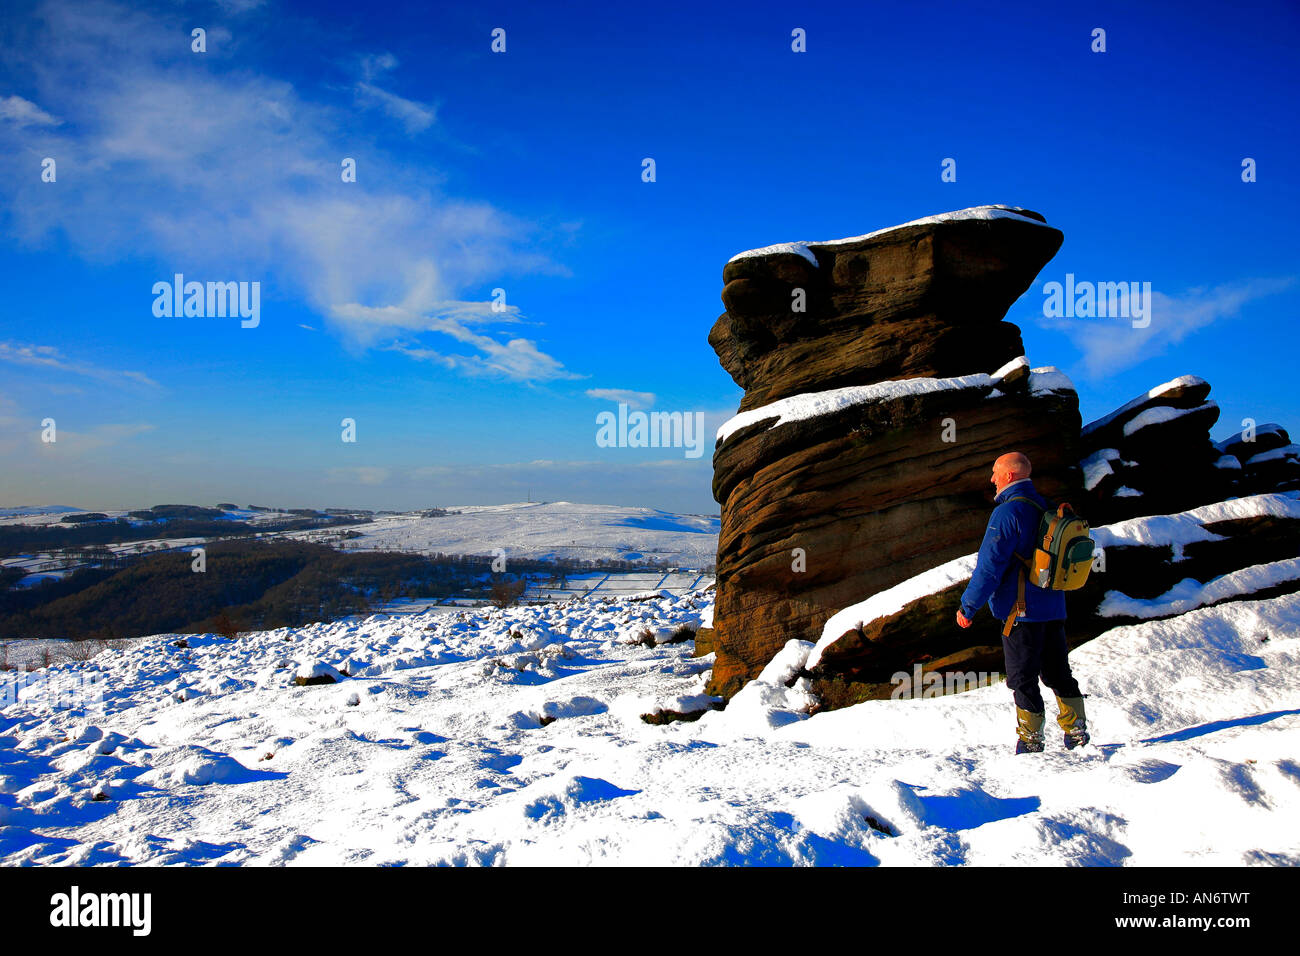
(1029, 732)
(1071, 720)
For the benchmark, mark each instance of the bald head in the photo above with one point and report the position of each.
(1011, 467)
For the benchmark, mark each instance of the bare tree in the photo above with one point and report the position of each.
(506, 593)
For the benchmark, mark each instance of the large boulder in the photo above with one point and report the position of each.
(861, 455)
(1153, 455)
(922, 299)
(1266, 458)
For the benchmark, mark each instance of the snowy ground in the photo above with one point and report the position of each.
(514, 737)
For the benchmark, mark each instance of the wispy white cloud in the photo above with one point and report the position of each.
(415, 116)
(411, 114)
(623, 395)
(1109, 345)
(517, 359)
(21, 112)
(51, 358)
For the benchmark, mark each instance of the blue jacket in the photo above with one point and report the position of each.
(1013, 527)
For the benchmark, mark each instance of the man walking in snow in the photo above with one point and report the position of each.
(1036, 645)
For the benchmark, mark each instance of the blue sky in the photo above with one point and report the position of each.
(522, 171)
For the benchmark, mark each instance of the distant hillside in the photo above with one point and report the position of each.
(548, 531)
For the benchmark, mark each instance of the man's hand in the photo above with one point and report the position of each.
(962, 619)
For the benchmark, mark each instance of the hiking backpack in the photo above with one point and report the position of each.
(1062, 556)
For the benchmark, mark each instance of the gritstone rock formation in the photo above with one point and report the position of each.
(861, 454)
(1153, 455)
(854, 483)
(1267, 459)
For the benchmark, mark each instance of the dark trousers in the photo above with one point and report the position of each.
(1034, 649)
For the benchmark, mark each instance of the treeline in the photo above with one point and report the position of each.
(253, 585)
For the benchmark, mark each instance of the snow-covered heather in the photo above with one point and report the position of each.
(514, 737)
(557, 529)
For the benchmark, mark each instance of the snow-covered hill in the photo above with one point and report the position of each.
(557, 529)
(541, 530)
(515, 737)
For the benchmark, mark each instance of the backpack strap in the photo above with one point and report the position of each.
(1020, 606)
(1052, 527)
(1030, 500)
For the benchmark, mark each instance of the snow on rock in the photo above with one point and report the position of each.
(1011, 368)
(774, 698)
(1182, 382)
(779, 248)
(1048, 379)
(811, 404)
(975, 212)
(1190, 593)
(1185, 527)
(1160, 415)
(891, 601)
(317, 672)
(1097, 466)
(1285, 451)
(1268, 430)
